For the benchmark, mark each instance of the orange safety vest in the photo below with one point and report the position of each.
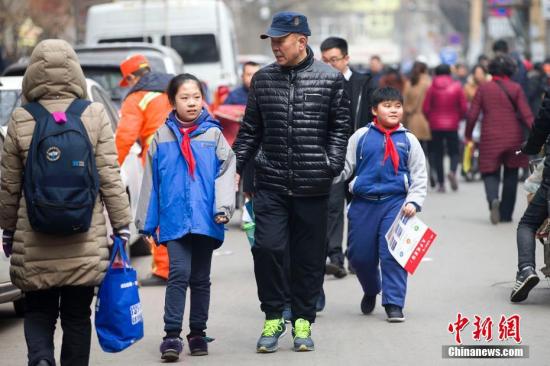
(142, 113)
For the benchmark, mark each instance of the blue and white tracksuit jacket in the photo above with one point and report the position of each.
(173, 202)
(379, 193)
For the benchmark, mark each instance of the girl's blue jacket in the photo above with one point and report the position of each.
(173, 202)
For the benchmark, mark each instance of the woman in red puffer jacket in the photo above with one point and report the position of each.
(444, 106)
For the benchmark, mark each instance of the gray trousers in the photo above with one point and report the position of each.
(532, 219)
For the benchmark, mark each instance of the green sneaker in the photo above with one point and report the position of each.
(269, 340)
(302, 336)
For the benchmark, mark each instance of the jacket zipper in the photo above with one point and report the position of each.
(357, 108)
(289, 134)
(187, 186)
(381, 166)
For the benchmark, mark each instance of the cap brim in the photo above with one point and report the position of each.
(274, 33)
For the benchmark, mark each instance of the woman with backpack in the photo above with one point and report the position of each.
(58, 239)
(187, 196)
(506, 115)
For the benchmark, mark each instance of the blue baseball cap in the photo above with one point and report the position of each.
(287, 22)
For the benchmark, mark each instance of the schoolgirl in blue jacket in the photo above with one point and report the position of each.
(187, 196)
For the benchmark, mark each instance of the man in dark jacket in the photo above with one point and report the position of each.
(239, 95)
(334, 51)
(376, 67)
(297, 120)
(537, 211)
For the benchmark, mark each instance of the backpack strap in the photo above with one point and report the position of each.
(77, 107)
(37, 111)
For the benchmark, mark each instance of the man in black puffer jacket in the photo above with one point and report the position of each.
(537, 211)
(297, 120)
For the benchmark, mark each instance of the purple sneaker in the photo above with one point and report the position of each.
(198, 345)
(170, 348)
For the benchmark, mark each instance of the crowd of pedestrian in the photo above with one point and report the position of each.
(315, 134)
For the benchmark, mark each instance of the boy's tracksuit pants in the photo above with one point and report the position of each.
(369, 221)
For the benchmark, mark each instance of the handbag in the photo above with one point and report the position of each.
(118, 313)
(519, 117)
(467, 157)
(249, 225)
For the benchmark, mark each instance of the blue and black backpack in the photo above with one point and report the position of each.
(60, 182)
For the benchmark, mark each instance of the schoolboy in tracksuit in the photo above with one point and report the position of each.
(390, 169)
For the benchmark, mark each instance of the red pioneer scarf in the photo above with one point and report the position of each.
(391, 151)
(186, 149)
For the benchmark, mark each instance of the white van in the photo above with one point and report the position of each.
(201, 31)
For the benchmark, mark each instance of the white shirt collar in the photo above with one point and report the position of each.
(347, 74)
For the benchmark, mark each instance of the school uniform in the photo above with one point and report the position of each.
(188, 180)
(389, 174)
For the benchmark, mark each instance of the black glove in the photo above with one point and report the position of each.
(527, 149)
(7, 242)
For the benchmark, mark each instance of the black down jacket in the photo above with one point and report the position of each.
(538, 137)
(297, 119)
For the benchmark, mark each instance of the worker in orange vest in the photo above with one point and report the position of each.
(143, 111)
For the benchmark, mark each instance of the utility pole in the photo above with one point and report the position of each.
(537, 32)
(475, 44)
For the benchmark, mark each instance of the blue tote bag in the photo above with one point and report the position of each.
(118, 314)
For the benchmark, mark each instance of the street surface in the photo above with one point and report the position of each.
(470, 269)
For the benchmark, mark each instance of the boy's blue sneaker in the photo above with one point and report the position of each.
(269, 340)
(170, 349)
(395, 313)
(367, 304)
(302, 336)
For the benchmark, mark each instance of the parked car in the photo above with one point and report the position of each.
(131, 171)
(8, 291)
(201, 31)
(10, 93)
(260, 59)
(101, 63)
